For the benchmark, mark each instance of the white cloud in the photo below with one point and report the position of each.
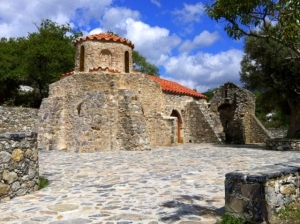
(205, 38)
(115, 19)
(190, 13)
(17, 17)
(204, 70)
(152, 42)
(156, 2)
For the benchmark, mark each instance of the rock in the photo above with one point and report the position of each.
(4, 157)
(288, 189)
(31, 173)
(10, 177)
(17, 155)
(4, 189)
(15, 186)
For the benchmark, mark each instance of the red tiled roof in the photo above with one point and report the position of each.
(105, 37)
(176, 88)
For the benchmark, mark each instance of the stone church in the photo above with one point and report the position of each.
(105, 105)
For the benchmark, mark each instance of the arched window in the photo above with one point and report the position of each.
(81, 66)
(126, 62)
(106, 58)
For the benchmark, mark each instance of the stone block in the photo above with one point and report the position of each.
(4, 189)
(9, 177)
(4, 157)
(17, 155)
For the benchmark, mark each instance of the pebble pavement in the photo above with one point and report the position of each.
(182, 185)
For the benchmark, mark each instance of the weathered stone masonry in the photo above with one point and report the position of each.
(256, 194)
(19, 174)
(18, 119)
(235, 108)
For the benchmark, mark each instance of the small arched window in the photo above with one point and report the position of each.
(126, 62)
(81, 66)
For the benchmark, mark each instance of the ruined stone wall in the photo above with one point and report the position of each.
(114, 55)
(258, 132)
(18, 119)
(235, 106)
(19, 167)
(198, 129)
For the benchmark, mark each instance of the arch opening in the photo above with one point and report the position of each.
(106, 58)
(81, 65)
(176, 114)
(126, 62)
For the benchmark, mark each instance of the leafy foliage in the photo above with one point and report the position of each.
(209, 93)
(265, 68)
(43, 182)
(37, 61)
(244, 18)
(141, 65)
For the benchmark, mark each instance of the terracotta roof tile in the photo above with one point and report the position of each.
(176, 88)
(66, 74)
(107, 69)
(105, 37)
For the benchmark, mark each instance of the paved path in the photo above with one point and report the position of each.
(183, 184)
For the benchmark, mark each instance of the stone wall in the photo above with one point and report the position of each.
(255, 195)
(18, 119)
(19, 168)
(283, 144)
(277, 132)
(198, 129)
(235, 107)
(258, 132)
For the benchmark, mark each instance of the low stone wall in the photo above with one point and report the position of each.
(283, 144)
(18, 119)
(277, 133)
(255, 195)
(19, 167)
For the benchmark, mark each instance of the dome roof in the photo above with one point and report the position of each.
(105, 37)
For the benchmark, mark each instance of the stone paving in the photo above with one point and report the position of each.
(182, 185)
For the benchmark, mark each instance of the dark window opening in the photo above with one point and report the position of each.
(126, 62)
(81, 66)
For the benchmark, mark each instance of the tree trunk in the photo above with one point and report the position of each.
(294, 128)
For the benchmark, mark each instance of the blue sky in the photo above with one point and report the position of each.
(176, 36)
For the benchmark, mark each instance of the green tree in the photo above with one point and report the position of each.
(244, 18)
(141, 65)
(265, 67)
(49, 52)
(10, 60)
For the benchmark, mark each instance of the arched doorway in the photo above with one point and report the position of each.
(175, 113)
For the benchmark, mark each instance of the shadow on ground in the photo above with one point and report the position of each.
(184, 206)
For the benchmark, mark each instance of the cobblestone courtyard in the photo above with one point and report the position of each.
(182, 184)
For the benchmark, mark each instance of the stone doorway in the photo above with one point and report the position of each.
(176, 114)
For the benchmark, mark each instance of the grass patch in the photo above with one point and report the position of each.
(291, 214)
(229, 219)
(43, 182)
